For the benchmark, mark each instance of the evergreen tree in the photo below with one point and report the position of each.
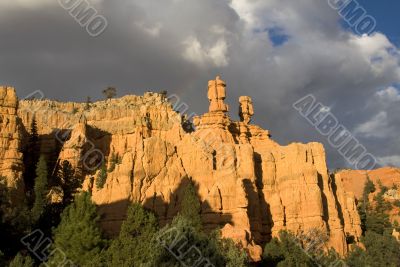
(182, 242)
(101, 177)
(15, 220)
(178, 237)
(369, 188)
(382, 205)
(87, 103)
(380, 250)
(22, 261)
(110, 92)
(78, 234)
(135, 245)
(69, 183)
(40, 189)
(113, 161)
(191, 206)
(378, 222)
(286, 251)
(2, 259)
(234, 255)
(31, 156)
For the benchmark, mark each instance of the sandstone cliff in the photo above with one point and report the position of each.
(11, 158)
(249, 185)
(354, 180)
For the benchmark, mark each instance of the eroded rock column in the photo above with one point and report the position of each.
(11, 165)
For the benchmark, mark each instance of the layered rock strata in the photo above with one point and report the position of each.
(248, 185)
(11, 158)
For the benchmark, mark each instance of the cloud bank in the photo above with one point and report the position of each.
(275, 51)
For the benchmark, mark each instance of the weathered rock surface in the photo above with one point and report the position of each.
(11, 158)
(248, 185)
(354, 180)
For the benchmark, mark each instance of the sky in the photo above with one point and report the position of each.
(276, 51)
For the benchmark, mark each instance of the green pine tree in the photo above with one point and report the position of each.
(113, 162)
(78, 234)
(234, 255)
(2, 259)
(40, 189)
(69, 183)
(380, 250)
(382, 205)
(191, 207)
(369, 188)
(101, 177)
(135, 245)
(22, 261)
(286, 251)
(179, 240)
(31, 156)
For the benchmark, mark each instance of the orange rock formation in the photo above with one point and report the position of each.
(353, 183)
(248, 185)
(11, 164)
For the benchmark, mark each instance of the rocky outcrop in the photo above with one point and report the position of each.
(11, 160)
(353, 182)
(248, 185)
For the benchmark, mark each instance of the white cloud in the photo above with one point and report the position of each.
(152, 30)
(376, 127)
(25, 3)
(343, 70)
(376, 49)
(389, 94)
(35, 4)
(201, 55)
(390, 160)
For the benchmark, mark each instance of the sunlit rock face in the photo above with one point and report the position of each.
(11, 158)
(249, 186)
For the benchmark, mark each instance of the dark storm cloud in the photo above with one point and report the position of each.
(178, 46)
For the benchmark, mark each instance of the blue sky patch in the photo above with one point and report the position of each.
(277, 36)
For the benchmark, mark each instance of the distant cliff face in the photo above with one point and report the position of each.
(249, 185)
(354, 181)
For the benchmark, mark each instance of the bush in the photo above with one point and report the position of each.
(101, 177)
(286, 251)
(22, 261)
(380, 250)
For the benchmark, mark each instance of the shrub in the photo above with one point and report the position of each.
(101, 177)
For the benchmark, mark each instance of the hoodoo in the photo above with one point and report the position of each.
(248, 185)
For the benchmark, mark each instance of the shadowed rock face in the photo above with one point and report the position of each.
(248, 185)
